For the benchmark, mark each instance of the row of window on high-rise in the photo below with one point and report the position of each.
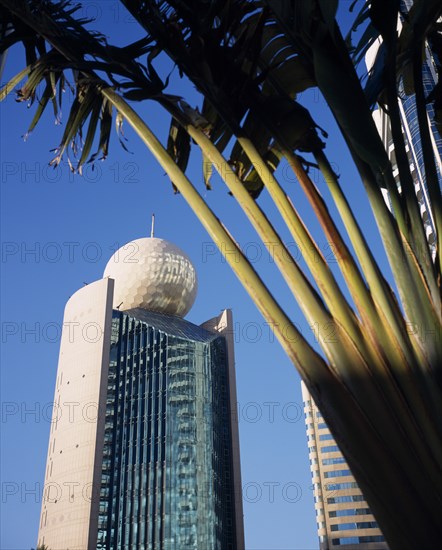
(349, 512)
(333, 473)
(357, 540)
(340, 486)
(345, 498)
(330, 449)
(338, 473)
(354, 525)
(329, 461)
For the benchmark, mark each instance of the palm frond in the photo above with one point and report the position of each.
(379, 386)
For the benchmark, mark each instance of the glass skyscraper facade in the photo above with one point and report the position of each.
(410, 128)
(167, 480)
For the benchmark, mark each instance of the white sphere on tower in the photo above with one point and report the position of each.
(152, 274)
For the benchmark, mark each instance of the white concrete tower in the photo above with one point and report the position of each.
(128, 358)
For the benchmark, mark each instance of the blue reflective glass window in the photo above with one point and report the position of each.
(349, 512)
(357, 540)
(336, 460)
(355, 525)
(329, 449)
(345, 498)
(338, 473)
(340, 486)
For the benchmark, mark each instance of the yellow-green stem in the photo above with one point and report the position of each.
(296, 347)
(306, 296)
(379, 291)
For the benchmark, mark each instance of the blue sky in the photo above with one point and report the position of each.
(58, 231)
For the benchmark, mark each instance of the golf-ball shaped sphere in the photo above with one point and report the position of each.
(152, 274)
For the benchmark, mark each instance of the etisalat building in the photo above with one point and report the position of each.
(158, 466)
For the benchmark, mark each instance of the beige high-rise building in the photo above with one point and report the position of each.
(343, 516)
(143, 451)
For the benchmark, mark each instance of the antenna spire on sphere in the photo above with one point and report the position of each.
(152, 227)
